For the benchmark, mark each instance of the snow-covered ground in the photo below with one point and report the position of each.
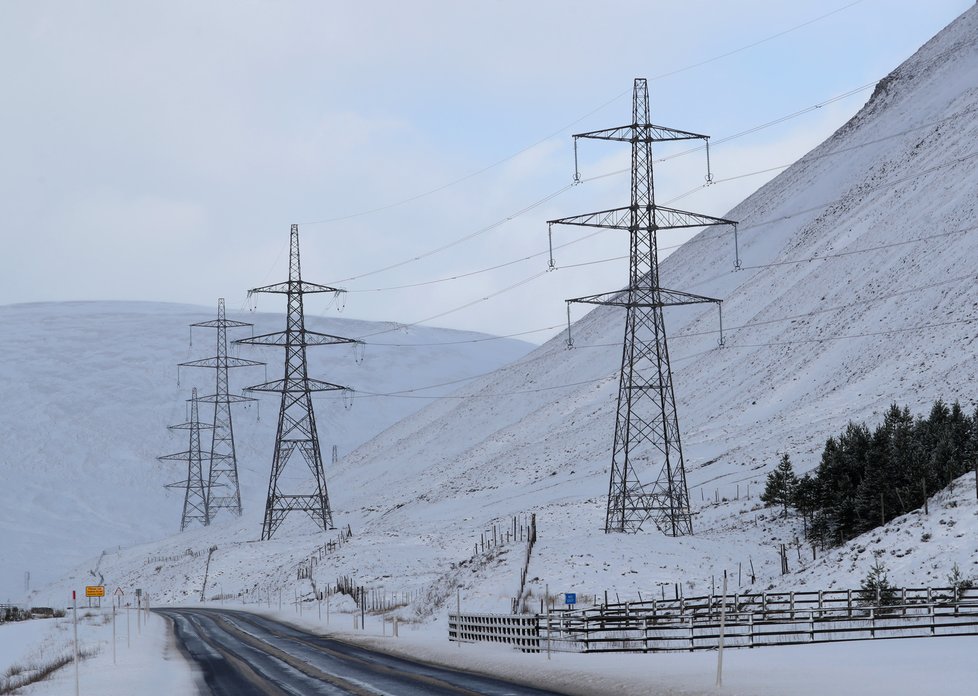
(146, 661)
(150, 665)
(90, 388)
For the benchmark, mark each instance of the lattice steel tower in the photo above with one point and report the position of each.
(223, 491)
(195, 495)
(296, 419)
(646, 426)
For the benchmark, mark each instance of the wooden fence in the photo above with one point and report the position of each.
(531, 539)
(750, 620)
(772, 605)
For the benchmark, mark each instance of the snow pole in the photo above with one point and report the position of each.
(74, 612)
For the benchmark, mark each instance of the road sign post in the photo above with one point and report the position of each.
(139, 607)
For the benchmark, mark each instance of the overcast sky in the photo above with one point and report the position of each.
(160, 150)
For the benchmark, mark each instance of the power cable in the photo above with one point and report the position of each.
(449, 245)
(555, 133)
(456, 309)
(484, 339)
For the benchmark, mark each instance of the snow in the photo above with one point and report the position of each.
(92, 386)
(856, 292)
(150, 664)
(881, 668)
(16, 637)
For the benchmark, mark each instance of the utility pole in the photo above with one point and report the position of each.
(223, 472)
(646, 425)
(195, 495)
(296, 433)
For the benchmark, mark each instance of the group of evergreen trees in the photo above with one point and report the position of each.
(867, 478)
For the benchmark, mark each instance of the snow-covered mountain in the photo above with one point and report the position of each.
(90, 388)
(856, 291)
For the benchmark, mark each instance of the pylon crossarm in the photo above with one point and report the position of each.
(663, 218)
(300, 287)
(218, 323)
(189, 426)
(667, 298)
(641, 133)
(297, 386)
(220, 362)
(614, 219)
(281, 338)
(175, 457)
(676, 297)
(672, 218)
(229, 399)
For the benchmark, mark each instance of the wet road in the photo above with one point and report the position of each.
(241, 654)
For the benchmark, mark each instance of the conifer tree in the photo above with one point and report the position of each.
(876, 590)
(780, 486)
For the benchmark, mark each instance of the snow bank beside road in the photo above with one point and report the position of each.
(151, 664)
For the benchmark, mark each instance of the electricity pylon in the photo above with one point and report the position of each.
(646, 424)
(223, 490)
(195, 495)
(296, 419)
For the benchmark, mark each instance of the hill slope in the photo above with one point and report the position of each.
(90, 389)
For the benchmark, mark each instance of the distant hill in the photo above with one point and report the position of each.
(90, 388)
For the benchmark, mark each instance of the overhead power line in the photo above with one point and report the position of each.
(554, 134)
(550, 196)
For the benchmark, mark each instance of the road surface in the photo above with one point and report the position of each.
(240, 654)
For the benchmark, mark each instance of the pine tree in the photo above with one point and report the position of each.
(779, 489)
(806, 497)
(957, 581)
(876, 590)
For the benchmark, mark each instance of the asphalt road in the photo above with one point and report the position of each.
(240, 654)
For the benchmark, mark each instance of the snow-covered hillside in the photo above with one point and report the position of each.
(90, 388)
(856, 291)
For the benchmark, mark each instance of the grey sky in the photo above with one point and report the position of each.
(160, 150)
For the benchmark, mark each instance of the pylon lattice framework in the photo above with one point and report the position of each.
(223, 489)
(646, 423)
(296, 419)
(195, 495)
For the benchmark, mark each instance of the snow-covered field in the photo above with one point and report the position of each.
(150, 666)
(145, 661)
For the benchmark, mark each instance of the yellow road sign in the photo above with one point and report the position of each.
(95, 590)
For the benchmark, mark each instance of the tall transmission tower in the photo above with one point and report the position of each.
(195, 495)
(296, 420)
(223, 490)
(646, 424)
